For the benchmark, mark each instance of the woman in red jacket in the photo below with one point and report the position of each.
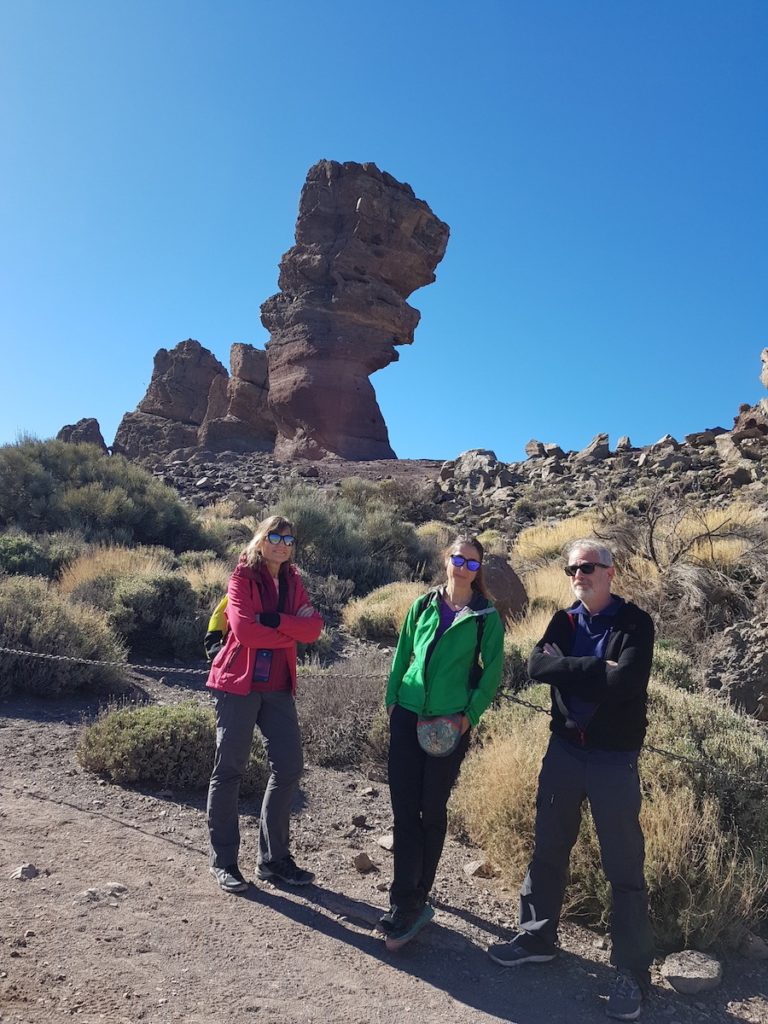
(254, 679)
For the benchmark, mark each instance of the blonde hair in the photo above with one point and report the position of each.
(272, 524)
(478, 583)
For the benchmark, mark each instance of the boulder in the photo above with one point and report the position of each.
(534, 449)
(504, 586)
(764, 370)
(596, 450)
(738, 666)
(85, 431)
(364, 242)
(476, 470)
(690, 971)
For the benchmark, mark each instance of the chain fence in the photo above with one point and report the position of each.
(732, 777)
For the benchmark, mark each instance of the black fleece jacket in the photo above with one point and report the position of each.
(621, 693)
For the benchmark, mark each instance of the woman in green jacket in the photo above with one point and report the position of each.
(448, 661)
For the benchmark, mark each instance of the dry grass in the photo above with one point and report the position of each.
(706, 835)
(546, 541)
(209, 581)
(548, 585)
(528, 630)
(112, 561)
(380, 614)
(435, 533)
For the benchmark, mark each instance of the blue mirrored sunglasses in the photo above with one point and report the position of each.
(287, 538)
(471, 563)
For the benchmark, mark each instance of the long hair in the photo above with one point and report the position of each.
(478, 583)
(272, 524)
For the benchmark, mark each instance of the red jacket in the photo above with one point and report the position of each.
(232, 668)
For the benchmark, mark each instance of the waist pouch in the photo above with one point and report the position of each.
(439, 736)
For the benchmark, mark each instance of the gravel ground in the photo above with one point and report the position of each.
(124, 922)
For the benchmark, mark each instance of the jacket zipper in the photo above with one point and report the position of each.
(233, 655)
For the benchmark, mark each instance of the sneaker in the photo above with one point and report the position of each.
(285, 870)
(626, 997)
(230, 879)
(523, 949)
(394, 919)
(407, 925)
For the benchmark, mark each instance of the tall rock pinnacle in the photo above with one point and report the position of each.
(364, 242)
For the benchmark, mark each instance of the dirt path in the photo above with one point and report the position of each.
(124, 922)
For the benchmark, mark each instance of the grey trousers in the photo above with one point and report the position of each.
(236, 718)
(611, 783)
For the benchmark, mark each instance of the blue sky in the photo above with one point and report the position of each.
(602, 166)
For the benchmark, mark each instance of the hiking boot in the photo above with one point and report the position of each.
(626, 998)
(394, 919)
(406, 925)
(522, 949)
(285, 870)
(230, 879)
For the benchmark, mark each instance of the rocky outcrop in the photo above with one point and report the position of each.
(193, 402)
(738, 667)
(364, 242)
(85, 431)
(238, 417)
(170, 414)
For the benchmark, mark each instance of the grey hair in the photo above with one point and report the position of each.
(589, 543)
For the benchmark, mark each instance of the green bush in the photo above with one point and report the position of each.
(51, 485)
(34, 617)
(372, 546)
(673, 667)
(21, 554)
(706, 831)
(157, 615)
(170, 747)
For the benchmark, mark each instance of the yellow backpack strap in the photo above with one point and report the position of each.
(218, 627)
(218, 620)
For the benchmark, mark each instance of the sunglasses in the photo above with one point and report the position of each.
(287, 538)
(471, 563)
(586, 567)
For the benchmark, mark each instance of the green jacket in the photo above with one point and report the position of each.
(438, 683)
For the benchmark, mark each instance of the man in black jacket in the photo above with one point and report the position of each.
(596, 657)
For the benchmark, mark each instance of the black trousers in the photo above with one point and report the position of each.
(611, 784)
(419, 787)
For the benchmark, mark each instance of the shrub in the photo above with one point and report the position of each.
(162, 746)
(673, 667)
(34, 617)
(157, 614)
(337, 707)
(706, 834)
(51, 485)
(548, 540)
(380, 614)
(21, 554)
(371, 547)
(209, 581)
(110, 561)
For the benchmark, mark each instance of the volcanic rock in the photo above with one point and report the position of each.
(364, 242)
(174, 407)
(238, 417)
(85, 431)
(738, 666)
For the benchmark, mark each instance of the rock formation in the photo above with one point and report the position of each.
(170, 414)
(238, 418)
(85, 431)
(364, 242)
(192, 402)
